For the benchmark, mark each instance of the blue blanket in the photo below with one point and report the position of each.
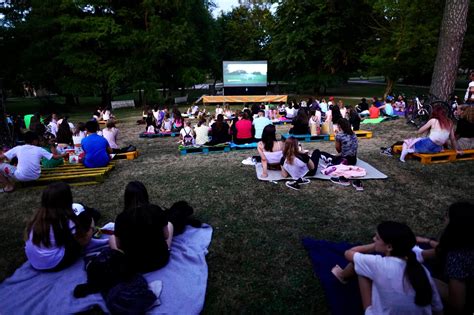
(342, 299)
(184, 279)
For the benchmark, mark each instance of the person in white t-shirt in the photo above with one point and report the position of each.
(29, 162)
(202, 132)
(110, 133)
(469, 93)
(186, 134)
(395, 283)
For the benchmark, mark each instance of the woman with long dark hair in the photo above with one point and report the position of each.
(297, 164)
(395, 283)
(300, 123)
(219, 131)
(270, 150)
(440, 129)
(55, 235)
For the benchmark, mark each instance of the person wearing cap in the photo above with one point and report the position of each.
(259, 123)
(29, 162)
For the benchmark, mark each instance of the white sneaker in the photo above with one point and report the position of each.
(249, 161)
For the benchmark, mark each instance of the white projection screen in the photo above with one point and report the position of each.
(244, 73)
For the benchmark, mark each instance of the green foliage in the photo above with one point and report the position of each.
(318, 42)
(404, 40)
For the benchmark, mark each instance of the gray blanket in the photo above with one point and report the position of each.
(184, 279)
(372, 173)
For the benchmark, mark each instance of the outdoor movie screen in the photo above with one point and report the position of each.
(245, 73)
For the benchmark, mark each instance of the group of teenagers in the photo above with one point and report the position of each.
(60, 232)
(394, 280)
(48, 142)
(390, 271)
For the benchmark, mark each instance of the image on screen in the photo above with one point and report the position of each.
(245, 73)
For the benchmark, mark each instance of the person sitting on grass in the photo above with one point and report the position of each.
(354, 118)
(96, 148)
(259, 124)
(64, 134)
(29, 162)
(297, 164)
(270, 150)
(346, 147)
(219, 131)
(48, 142)
(440, 129)
(166, 125)
(186, 134)
(79, 134)
(55, 236)
(110, 133)
(395, 283)
(243, 128)
(202, 132)
(144, 232)
(178, 120)
(387, 108)
(465, 127)
(374, 111)
(314, 122)
(453, 258)
(300, 124)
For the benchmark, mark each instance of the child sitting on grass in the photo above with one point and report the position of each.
(55, 236)
(297, 164)
(167, 124)
(395, 283)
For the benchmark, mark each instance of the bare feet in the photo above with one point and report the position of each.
(337, 272)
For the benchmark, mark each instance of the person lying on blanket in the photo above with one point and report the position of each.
(395, 283)
(297, 164)
(346, 146)
(57, 232)
(440, 129)
(144, 232)
(270, 150)
(28, 167)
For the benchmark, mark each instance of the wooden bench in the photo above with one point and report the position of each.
(306, 138)
(245, 146)
(441, 157)
(126, 155)
(73, 174)
(361, 134)
(204, 149)
(157, 135)
(122, 104)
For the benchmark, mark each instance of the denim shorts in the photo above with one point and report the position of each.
(425, 145)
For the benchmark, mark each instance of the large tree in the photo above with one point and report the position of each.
(317, 43)
(404, 39)
(450, 43)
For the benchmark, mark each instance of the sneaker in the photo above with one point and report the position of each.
(303, 181)
(249, 161)
(340, 181)
(357, 184)
(293, 185)
(387, 152)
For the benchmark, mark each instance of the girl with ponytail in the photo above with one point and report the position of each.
(395, 283)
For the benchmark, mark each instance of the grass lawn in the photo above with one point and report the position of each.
(256, 261)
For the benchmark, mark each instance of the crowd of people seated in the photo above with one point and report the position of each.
(47, 141)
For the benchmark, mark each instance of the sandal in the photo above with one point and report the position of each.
(337, 271)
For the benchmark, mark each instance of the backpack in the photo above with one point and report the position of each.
(188, 138)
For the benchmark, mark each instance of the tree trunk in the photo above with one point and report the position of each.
(106, 98)
(388, 87)
(70, 100)
(451, 37)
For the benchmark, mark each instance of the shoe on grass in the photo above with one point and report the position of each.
(293, 185)
(340, 181)
(303, 181)
(357, 184)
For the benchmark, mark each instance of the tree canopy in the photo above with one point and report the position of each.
(100, 47)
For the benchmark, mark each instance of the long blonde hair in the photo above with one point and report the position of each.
(291, 149)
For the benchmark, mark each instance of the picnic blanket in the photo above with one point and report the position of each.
(184, 279)
(372, 120)
(342, 299)
(372, 172)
